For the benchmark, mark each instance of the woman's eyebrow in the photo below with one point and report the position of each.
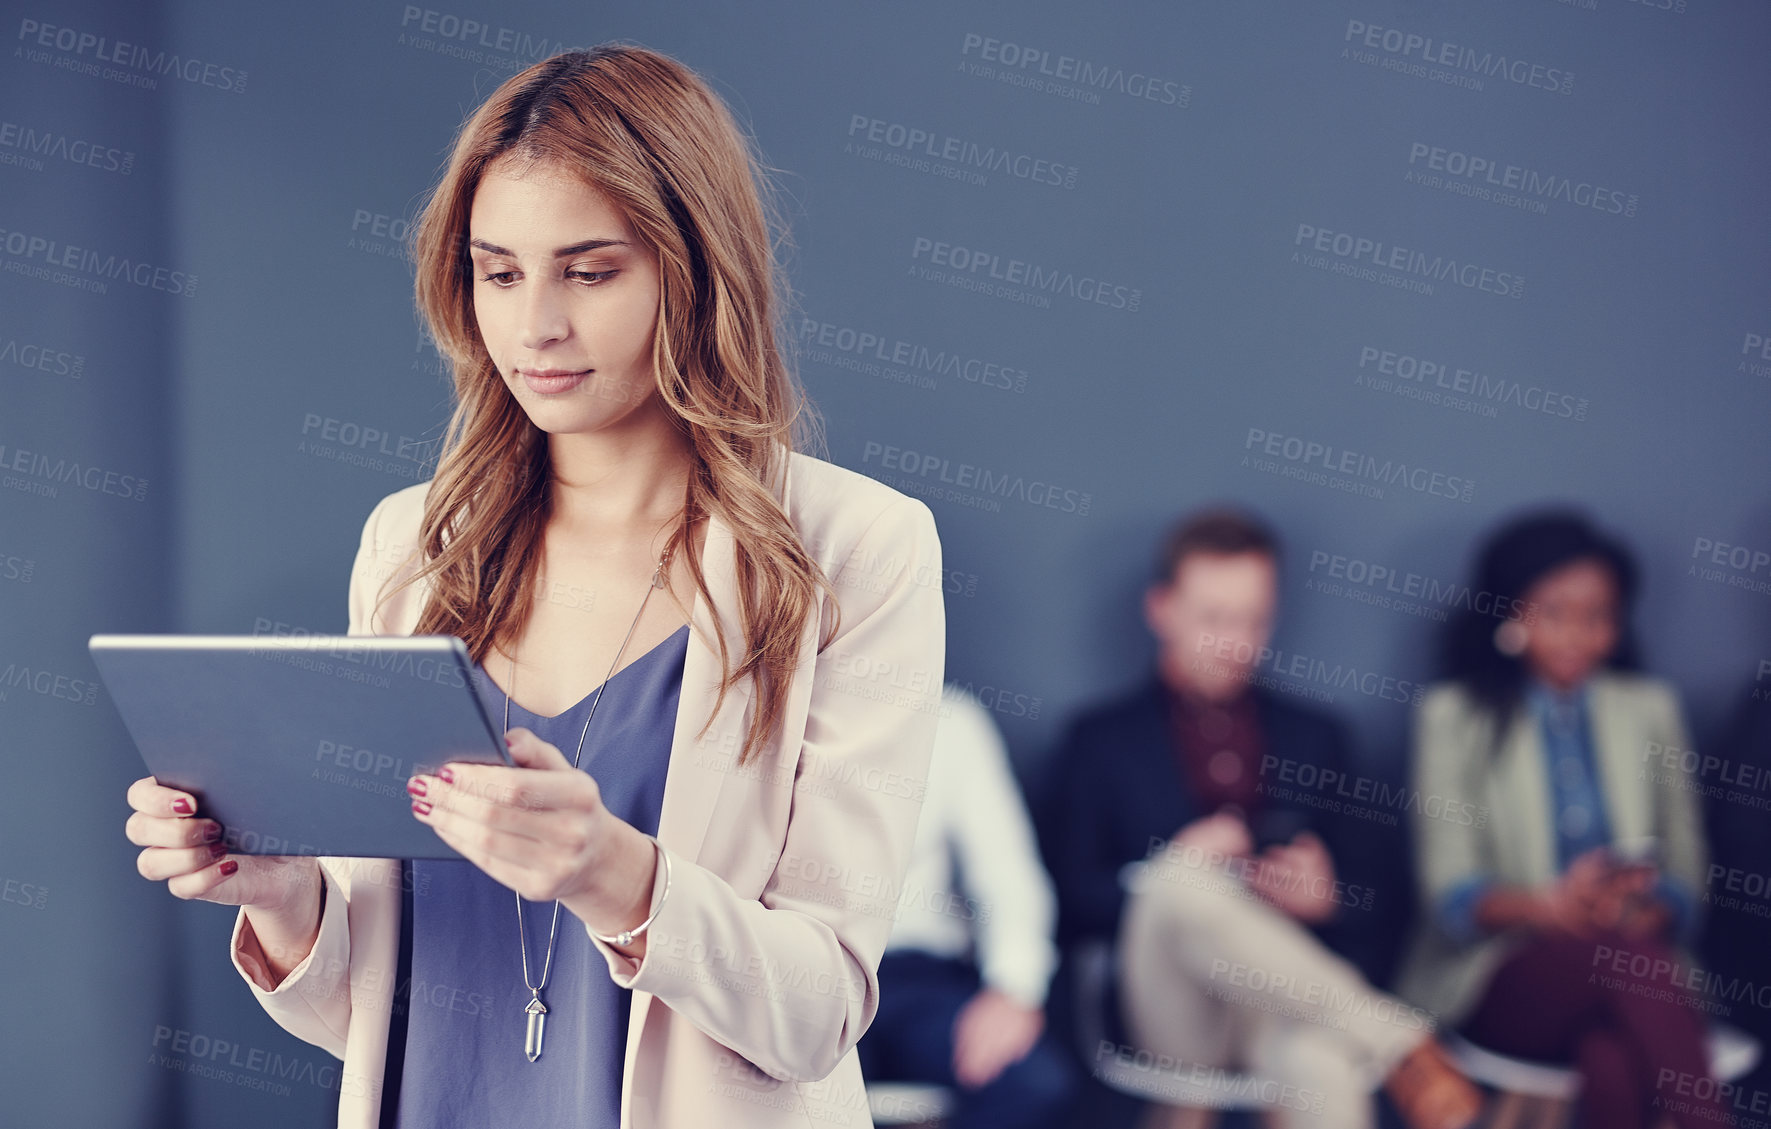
(587, 245)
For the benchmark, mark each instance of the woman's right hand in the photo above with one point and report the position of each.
(1572, 903)
(190, 855)
(282, 893)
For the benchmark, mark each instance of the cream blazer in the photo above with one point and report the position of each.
(761, 969)
(1474, 813)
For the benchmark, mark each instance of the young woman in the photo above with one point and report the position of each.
(1558, 858)
(714, 781)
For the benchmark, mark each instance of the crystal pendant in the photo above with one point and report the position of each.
(537, 1027)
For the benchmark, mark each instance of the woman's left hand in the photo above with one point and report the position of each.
(1633, 908)
(541, 829)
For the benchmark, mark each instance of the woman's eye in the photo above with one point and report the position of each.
(501, 279)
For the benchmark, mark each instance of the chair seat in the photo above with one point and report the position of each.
(907, 1103)
(1732, 1054)
(1514, 1075)
(1200, 1087)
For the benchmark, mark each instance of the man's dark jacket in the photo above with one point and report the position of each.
(1118, 786)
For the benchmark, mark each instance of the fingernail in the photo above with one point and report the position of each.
(182, 806)
(510, 740)
(448, 777)
(216, 850)
(212, 833)
(229, 866)
(422, 807)
(415, 786)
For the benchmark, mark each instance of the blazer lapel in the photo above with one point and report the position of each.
(699, 767)
(1618, 750)
(1525, 790)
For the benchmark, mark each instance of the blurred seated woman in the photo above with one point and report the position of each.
(1557, 860)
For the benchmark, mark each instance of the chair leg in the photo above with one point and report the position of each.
(1557, 1113)
(1506, 1111)
(1554, 1113)
(1161, 1116)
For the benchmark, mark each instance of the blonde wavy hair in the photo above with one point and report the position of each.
(650, 136)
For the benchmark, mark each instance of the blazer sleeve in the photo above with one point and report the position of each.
(789, 980)
(1446, 773)
(313, 1002)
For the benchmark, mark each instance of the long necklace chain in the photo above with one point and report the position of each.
(535, 1009)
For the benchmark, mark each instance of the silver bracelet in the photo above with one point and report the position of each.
(627, 936)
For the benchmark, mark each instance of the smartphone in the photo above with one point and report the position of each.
(1642, 850)
(1276, 827)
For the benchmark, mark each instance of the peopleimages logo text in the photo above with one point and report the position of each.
(83, 45)
(1494, 173)
(1423, 371)
(1339, 460)
(74, 150)
(1436, 52)
(915, 142)
(968, 476)
(54, 253)
(70, 471)
(1082, 72)
(911, 355)
(1388, 256)
(1032, 276)
(448, 26)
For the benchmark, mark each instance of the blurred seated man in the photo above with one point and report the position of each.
(1208, 778)
(963, 981)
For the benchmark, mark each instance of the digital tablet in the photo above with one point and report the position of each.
(302, 745)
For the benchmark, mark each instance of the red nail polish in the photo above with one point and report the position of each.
(182, 806)
(416, 787)
(448, 777)
(421, 807)
(229, 866)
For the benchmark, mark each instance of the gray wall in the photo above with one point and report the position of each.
(1190, 314)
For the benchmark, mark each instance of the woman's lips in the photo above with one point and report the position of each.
(547, 385)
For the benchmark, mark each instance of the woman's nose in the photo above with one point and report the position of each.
(544, 315)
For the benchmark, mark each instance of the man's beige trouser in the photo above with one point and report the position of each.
(1213, 975)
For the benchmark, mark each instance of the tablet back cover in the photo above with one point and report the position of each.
(301, 745)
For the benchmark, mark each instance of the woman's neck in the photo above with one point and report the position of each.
(1557, 688)
(610, 483)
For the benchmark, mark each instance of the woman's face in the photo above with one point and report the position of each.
(1575, 626)
(565, 295)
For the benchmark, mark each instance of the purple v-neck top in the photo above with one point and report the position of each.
(463, 1061)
